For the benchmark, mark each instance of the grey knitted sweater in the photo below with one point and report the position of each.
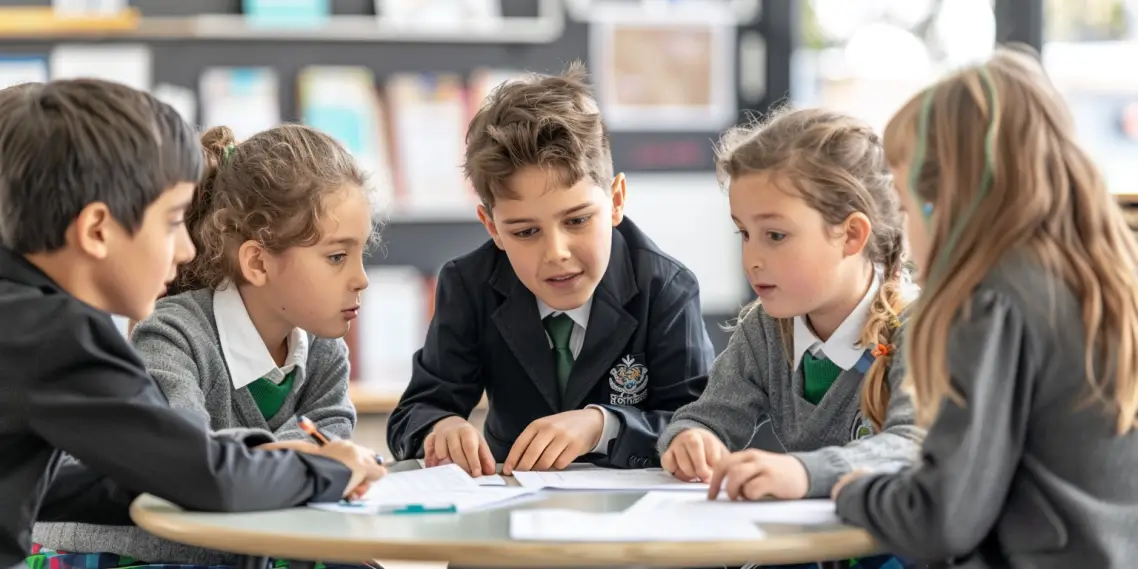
(753, 378)
(179, 344)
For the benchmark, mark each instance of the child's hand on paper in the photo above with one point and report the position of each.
(693, 454)
(754, 474)
(553, 442)
(843, 481)
(454, 440)
(360, 460)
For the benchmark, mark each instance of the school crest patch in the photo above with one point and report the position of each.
(861, 428)
(629, 382)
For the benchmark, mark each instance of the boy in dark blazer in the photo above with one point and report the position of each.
(95, 182)
(584, 335)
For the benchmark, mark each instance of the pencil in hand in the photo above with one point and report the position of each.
(321, 439)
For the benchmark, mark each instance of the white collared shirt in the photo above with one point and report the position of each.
(843, 348)
(245, 353)
(580, 318)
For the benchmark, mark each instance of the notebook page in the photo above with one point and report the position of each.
(607, 479)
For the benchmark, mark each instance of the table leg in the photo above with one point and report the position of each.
(252, 562)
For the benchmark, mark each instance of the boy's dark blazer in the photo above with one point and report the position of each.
(646, 352)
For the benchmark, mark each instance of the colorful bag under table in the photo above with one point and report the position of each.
(43, 558)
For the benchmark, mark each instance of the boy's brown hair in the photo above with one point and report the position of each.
(270, 188)
(837, 165)
(549, 121)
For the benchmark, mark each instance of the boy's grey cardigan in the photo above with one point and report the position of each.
(179, 344)
(753, 378)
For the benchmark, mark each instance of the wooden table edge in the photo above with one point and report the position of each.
(775, 548)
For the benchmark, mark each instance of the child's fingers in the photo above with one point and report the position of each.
(486, 458)
(469, 440)
(668, 461)
(719, 472)
(699, 468)
(429, 450)
(714, 452)
(698, 453)
(442, 448)
(739, 475)
(520, 446)
(454, 449)
(685, 467)
(354, 481)
(534, 451)
(552, 452)
(758, 487)
(567, 457)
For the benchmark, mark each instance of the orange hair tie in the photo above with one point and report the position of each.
(882, 350)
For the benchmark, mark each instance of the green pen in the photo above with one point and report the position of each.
(419, 509)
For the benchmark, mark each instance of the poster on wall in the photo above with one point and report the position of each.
(668, 67)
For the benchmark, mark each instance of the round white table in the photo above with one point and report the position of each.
(480, 538)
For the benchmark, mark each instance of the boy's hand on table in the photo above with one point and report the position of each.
(454, 440)
(360, 460)
(754, 474)
(555, 441)
(693, 454)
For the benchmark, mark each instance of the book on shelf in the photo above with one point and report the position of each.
(484, 80)
(439, 14)
(182, 99)
(129, 64)
(286, 13)
(246, 99)
(19, 69)
(429, 115)
(79, 8)
(392, 325)
(344, 103)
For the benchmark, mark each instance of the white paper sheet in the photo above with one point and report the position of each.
(569, 525)
(606, 479)
(483, 480)
(462, 500)
(690, 505)
(491, 480)
(436, 479)
(440, 486)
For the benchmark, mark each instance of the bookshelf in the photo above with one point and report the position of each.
(184, 39)
(39, 23)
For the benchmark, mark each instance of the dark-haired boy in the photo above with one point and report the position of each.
(95, 181)
(584, 335)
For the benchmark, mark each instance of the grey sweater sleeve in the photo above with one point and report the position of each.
(896, 446)
(325, 396)
(947, 505)
(163, 343)
(735, 398)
